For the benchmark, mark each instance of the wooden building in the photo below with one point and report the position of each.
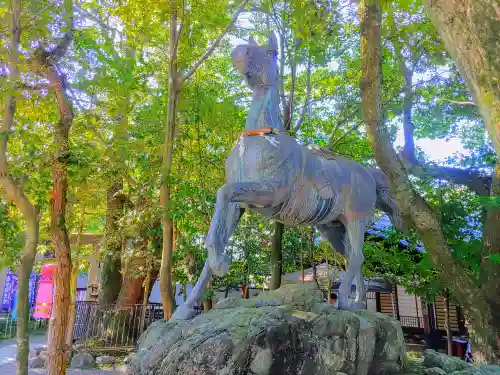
(412, 311)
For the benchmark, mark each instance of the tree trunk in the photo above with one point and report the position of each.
(207, 305)
(490, 274)
(111, 276)
(15, 194)
(175, 82)
(276, 256)
(62, 280)
(166, 291)
(131, 292)
(74, 283)
(414, 208)
(208, 302)
(449, 336)
(302, 273)
(72, 308)
(23, 276)
(470, 32)
(311, 254)
(147, 284)
(329, 277)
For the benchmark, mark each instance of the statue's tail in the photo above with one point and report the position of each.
(384, 201)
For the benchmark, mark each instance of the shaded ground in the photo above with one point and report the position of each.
(8, 350)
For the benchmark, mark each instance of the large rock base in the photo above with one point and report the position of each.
(290, 331)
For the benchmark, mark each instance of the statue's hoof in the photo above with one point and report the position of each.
(357, 306)
(343, 304)
(346, 306)
(220, 265)
(184, 312)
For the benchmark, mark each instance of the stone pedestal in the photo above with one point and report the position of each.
(287, 331)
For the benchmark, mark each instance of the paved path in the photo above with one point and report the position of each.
(8, 351)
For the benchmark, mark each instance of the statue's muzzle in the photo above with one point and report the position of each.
(240, 59)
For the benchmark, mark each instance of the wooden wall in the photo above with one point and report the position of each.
(388, 304)
(439, 311)
(408, 305)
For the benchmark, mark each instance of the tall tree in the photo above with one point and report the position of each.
(44, 63)
(416, 209)
(176, 79)
(111, 280)
(462, 25)
(14, 191)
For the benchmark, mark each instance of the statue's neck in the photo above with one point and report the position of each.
(264, 112)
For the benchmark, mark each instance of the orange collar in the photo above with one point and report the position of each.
(260, 131)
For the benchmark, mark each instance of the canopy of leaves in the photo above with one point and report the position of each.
(117, 76)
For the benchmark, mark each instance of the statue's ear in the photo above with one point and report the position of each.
(251, 41)
(273, 42)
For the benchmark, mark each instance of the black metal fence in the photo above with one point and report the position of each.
(8, 325)
(112, 327)
(411, 321)
(108, 327)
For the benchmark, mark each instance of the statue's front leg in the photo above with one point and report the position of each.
(186, 311)
(227, 214)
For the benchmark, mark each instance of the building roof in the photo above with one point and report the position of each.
(324, 270)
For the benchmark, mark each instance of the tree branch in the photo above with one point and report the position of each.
(288, 112)
(13, 191)
(181, 25)
(305, 107)
(355, 127)
(408, 129)
(473, 179)
(35, 16)
(60, 50)
(282, 71)
(105, 27)
(207, 54)
(26, 86)
(458, 102)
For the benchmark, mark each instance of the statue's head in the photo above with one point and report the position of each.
(258, 64)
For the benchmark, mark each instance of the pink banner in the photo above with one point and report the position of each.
(43, 305)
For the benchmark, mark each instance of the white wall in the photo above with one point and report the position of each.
(371, 304)
(155, 296)
(408, 304)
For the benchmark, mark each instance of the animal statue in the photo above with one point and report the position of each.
(268, 172)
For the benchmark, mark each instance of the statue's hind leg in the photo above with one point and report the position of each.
(355, 229)
(335, 233)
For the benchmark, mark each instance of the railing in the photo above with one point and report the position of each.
(112, 327)
(411, 321)
(8, 325)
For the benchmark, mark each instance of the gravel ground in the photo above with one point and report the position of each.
(8, 350)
